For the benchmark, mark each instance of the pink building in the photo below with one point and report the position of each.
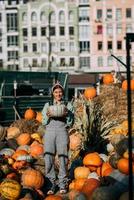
(110, 20)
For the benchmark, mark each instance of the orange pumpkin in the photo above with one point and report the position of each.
(90, 93)
(75, 141)
(29, 114)
(19, 152)
(23, 139)
(92, 159)
(72, 185)
(123, 166)
(89, 186)
(39, 117)
(54, 197)
(32, 178)
(36, 149)
(125, 85)
(81, 172)
(79, 183)
(105, 169)
(19, 164)
(108, 79)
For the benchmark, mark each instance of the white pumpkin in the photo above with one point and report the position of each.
(57, 110)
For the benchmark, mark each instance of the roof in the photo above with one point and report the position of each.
(82, 79)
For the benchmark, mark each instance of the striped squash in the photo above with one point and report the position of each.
(10, 189)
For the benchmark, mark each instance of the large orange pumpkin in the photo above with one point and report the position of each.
(81, 172)
(39, 117)
(125, 85)
(79, 183)
(92, 159)
(75, 141)
(108, 79)
(32, 178)
(24, 139)
(29, 114)
(90, 92)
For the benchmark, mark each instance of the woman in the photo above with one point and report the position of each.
(56, 140)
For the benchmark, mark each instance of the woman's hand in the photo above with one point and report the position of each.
(49, 114)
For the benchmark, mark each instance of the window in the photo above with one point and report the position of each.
(118, 14)
(84, 31)
(71, 46)
(34, 31)
(25, 47)
(119, 28)
(42, 16)
(99, 14)
(72, 62)
(34, 47)
(24, 17)
(109, 13)
(43, 63)
(53, 46)
(119, 45)
(62, 62)
(25, 33)
(62, 30)
(129, 28)
(25, 62)
(84, 15)
(128, 13)
(52, 31)
(52, 17)
(84, 46)
(61, 17)
(34, 63)
(43, 31)
(109, 29)
(109, 45)
(12, 22)
(71, 30)
(62, 46)
(0, 49)
(12, 55)
(71, 16)
(84, 62)
(34, 17)
(12, 40)
(100, 61)
(99, 29)
(110, 61)
(0, 34)
(100, 46)
(44, 47)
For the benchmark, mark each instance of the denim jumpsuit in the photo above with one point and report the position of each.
(56, 141)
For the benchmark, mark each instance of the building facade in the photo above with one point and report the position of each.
(74, 36)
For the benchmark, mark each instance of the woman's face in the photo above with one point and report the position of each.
(58, 94)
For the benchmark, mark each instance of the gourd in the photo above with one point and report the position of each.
(57, 110)
(10, 189)
(81, 172)
(7, 152)
(36, 149)
(108, 79)
(90, 93)
(30, 114)
(32, 178)
(24, 139)
(19, 152)
(92, 160)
